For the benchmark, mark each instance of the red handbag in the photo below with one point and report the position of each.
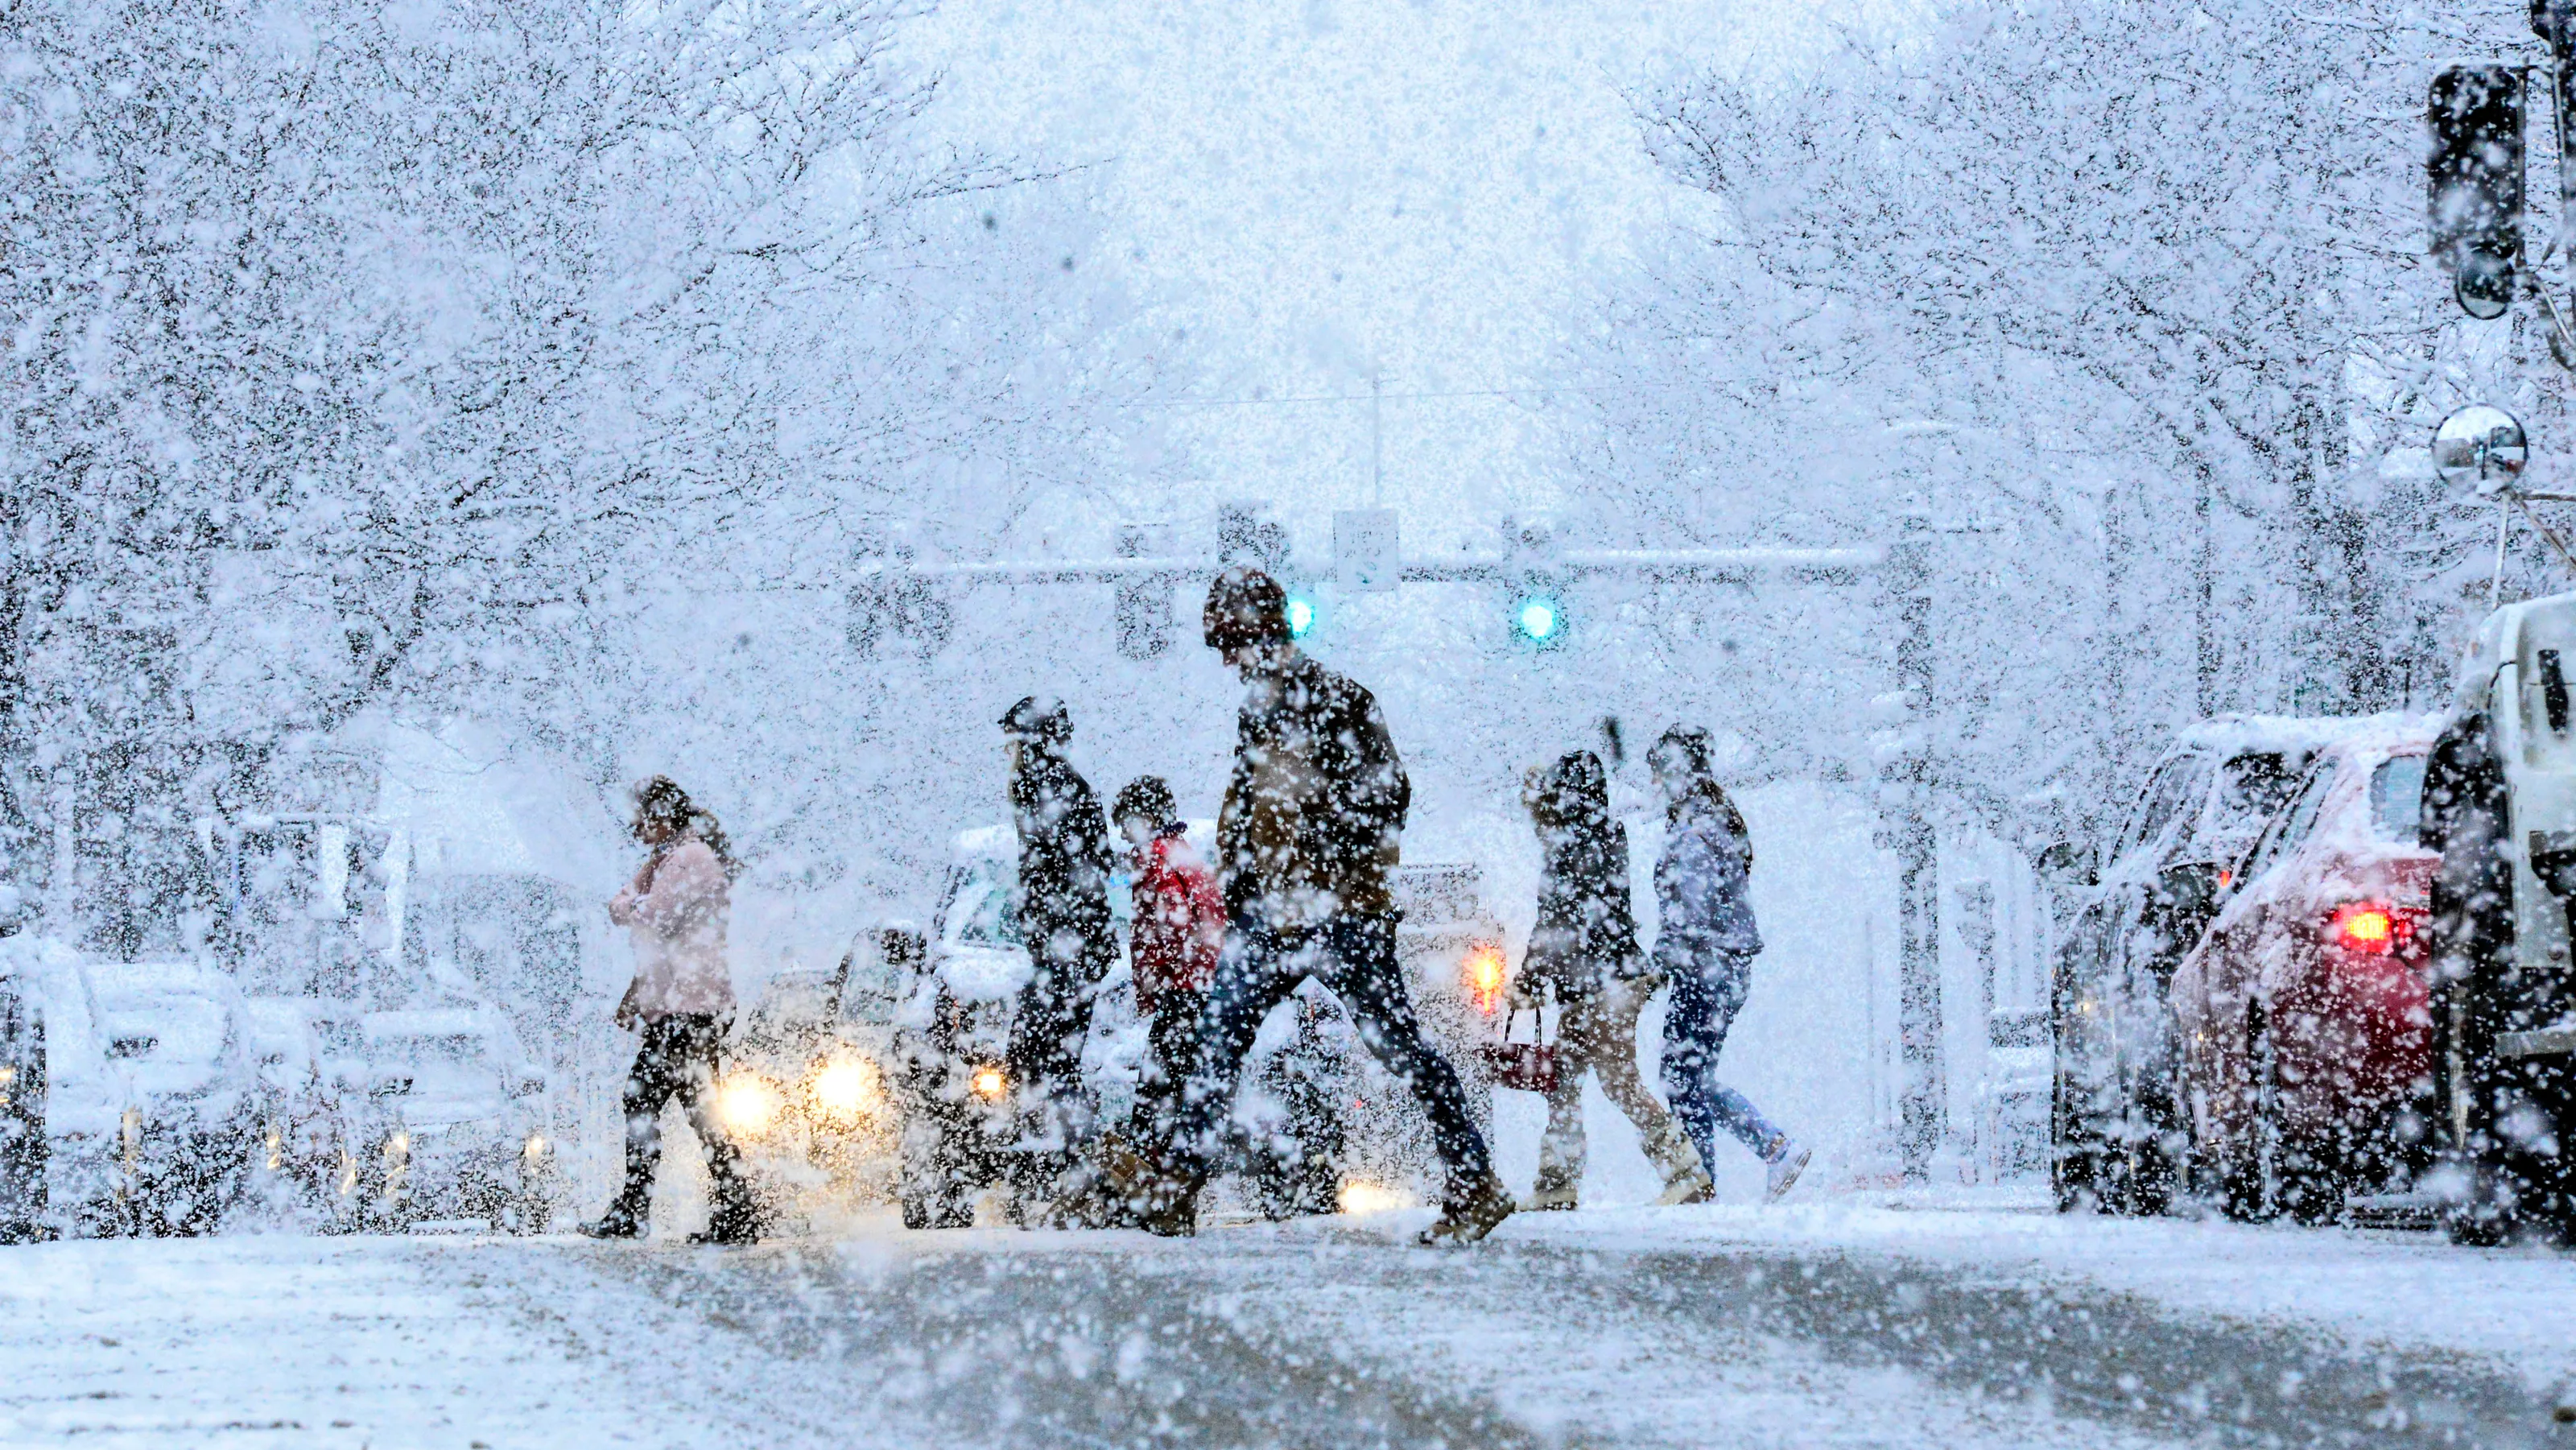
(1528, 1067)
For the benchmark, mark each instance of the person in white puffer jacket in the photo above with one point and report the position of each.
(676, 911)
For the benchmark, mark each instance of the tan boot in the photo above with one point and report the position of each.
(1691, 1185)
(1549, 1196)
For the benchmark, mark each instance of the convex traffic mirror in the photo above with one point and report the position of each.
(2480, 448)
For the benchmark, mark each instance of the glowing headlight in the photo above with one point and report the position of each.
(1483, 972)
(988, 1083)
(843, 1088)
(1359, 1196)
(535, 1148)
(747, 1104)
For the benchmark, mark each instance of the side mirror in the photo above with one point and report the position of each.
(2067, 866)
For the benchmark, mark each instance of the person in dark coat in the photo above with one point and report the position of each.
(1583, 951)
(1705, 945)
(1063, 911)
(1312, 821)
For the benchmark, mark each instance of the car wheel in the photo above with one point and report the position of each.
(2253, 1190)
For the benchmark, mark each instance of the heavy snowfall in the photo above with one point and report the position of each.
(1008, 723)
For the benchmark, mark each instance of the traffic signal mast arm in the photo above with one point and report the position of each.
(1823, 565)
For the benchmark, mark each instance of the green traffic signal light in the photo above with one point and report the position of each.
(1538, 620)
(1301, 616)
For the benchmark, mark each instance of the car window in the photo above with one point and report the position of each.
(2250, 789)
(2397, 798)
(2178, 785)
(2294, 824)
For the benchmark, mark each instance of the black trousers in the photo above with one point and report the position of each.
(1049, 1024)
(678, 1059)
(1354, 958)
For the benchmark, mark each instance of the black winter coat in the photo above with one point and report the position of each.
(1064, 861)
(1315, 811)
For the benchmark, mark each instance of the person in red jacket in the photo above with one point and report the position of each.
(1180, 924)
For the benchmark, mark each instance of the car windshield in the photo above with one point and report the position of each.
(2397, 798)
(979, 908)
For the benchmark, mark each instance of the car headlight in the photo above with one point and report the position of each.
(534, 1150)
(844, 1089)
(747, 1104)
(989, 1084)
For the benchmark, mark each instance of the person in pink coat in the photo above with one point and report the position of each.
(675, 911)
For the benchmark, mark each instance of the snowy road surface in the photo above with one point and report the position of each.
(1832, 1325)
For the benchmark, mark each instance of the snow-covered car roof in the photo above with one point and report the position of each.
(2236, 734)
(116, 983)
(985, 843)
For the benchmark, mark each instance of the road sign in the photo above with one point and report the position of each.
(1368, 556)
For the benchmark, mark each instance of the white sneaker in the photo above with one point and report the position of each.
(1785, 1170)
(1691, 1185)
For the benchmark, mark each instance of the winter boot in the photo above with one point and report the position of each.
(1469, 1215)
(623, 1220)
(1787, 1160)
(1553, 1193)
(1137, 1190)
(1691, 1185)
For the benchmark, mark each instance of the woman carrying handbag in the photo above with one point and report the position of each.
(1583, 950)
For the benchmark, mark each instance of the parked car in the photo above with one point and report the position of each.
(143, 1095)
(2117, 1128)
(2303, 1011)
(24, 1152)
(450, 1128)
(304, 1134)
(2500, 808)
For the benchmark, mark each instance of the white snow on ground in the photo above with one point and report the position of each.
(274, 1341)
(384, 1343)
(2402, 1290)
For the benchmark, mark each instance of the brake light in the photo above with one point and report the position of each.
(2370, 928)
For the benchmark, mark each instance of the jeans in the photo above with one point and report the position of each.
(1704, 1005)
(1353, 956)
(678, 1059)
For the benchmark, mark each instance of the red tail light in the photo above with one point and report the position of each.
(2371, 928)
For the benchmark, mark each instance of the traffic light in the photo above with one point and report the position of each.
(1144, 618)
(1144, 603)
(1301, 614)
(1538, 619)
(2473, 176)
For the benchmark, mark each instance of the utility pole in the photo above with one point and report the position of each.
(1905, 784)
(1377, 454)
